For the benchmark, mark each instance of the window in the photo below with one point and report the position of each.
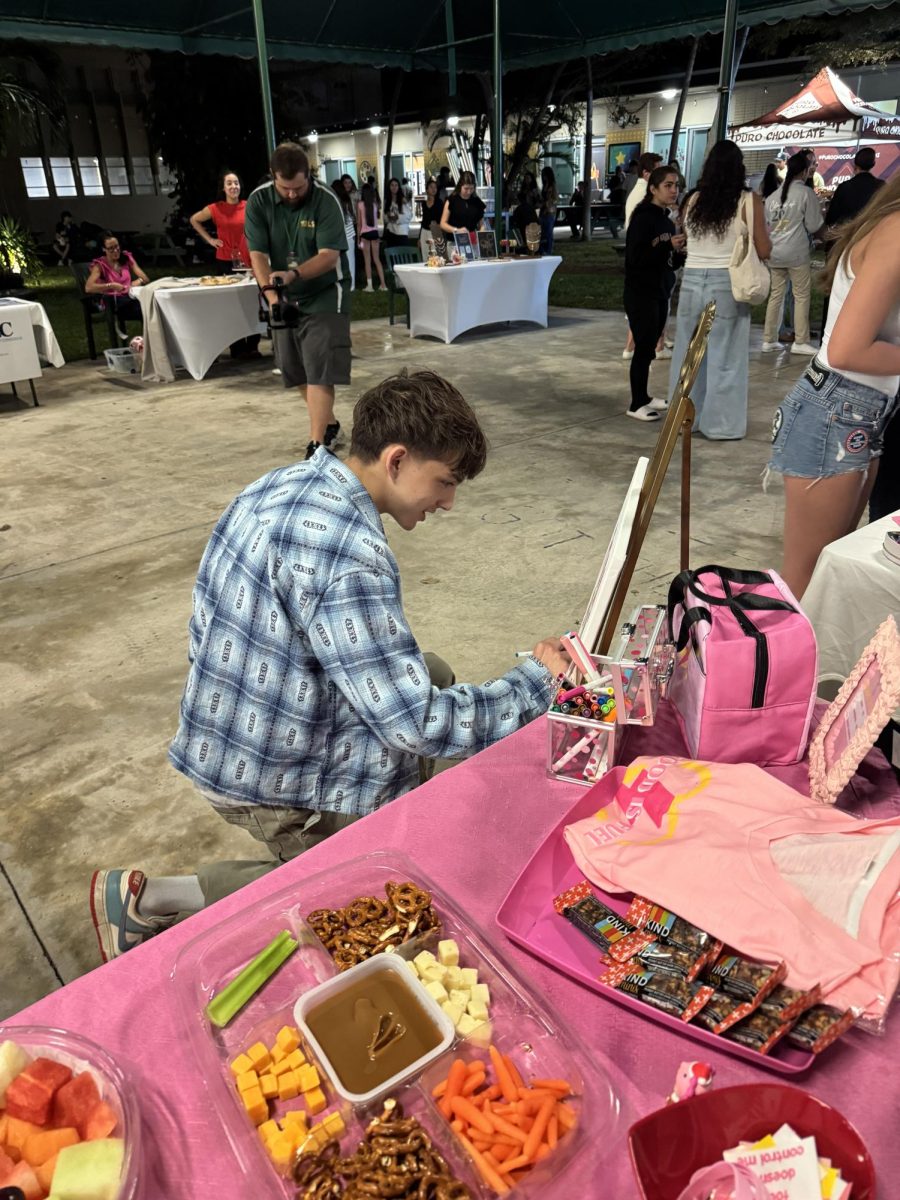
(63, 177)
(35, 177)
(91, 179)
(143, 177)
(117, 174)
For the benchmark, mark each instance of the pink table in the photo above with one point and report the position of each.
(471, 829)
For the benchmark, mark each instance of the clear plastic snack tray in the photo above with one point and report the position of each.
(540, 1048)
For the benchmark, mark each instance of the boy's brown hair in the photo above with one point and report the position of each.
(425, 413)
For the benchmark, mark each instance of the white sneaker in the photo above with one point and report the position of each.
(627, 354)
(645, 413)
(664, 353)
(661, 404)
(804, 348)
(767, 346)
(368, 287)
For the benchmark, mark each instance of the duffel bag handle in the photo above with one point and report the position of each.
(728, 575)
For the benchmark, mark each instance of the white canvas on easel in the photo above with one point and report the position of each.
(614, 559)
(18, 352)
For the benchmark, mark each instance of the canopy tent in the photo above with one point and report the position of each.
(821, 106)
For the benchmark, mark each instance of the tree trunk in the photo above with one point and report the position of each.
(386, 173)
(523, 143)
(682, 101)
(588, 153)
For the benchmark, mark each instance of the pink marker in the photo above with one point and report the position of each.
(578, 748)
(578, 653)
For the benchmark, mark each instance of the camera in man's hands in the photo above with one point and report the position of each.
(284, 313)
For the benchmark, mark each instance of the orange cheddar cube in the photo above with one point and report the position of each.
(268, 1085)
(255, 1104)
(268, 1129)
(282, 1148)
(281, 1068)
(308, 1078)
(279, 1054)
(241, 1064)
(247, 1080)
(320, 1134)
(259, 1056)
(315, 1100)
(296, 1059)
(334, 1125)
(288, 1038)
(294, 1116)
(287, 1086)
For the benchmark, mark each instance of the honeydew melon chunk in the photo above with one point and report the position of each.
(13, 1061)
(448, 953)
(90, 1170)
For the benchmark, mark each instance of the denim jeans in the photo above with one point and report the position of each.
(548, 224)
(720, 393)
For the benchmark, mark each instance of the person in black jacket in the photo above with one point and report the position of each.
(849, 199)
(653, 249)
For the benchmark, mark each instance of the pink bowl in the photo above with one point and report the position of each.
(669, 1145)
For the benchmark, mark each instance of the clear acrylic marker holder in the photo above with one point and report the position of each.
(585, 728)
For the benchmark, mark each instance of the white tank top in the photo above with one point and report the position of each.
(889, 331)
(709, 251)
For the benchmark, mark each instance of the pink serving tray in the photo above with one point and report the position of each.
(528, 917)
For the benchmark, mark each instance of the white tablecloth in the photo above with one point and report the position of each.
(44, 338)
(446, 301)
(201, 321)
(854, 587)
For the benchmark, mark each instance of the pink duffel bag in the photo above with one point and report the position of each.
(744, 683)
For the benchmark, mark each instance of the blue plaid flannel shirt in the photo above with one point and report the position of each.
(306, 687)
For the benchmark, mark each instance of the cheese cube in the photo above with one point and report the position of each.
(466, 1024)
(282, 1068)
(334, 1124)
(482, 1035)
(297, 1059)
(448, 953)
(320, 1134)
(288, 1038)
(281, 1149)
(269, 1086)
(423, 960)
(412, 966)
(294, 1116)
(430, 974)
(453, 978)
(287, 1086)
(436, 991)
(315, 1100)
(469, 976)
(460, 996)
(268, 1129)
(259, 1056)
(481, 991)
(241, 1064)
(279, 1054)
(307, 1078)
(255, 1104)
(247, 1079)
(453, 1011)
(477, 1009)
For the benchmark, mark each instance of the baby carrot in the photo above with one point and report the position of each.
(513, 1164)
(501, 1151)
(553, 1085)
(552, 1132)
(474, 1081)
(506, 1127)
(511, 1067)
(565, 1117)
(536, 1132)
(455, 1080)
(507, 1087)
(475, 1066)
(458, 1125)
(542, 1152)
(439, 1090)
(468, 1112)
(491, 1177)
(492, 1092)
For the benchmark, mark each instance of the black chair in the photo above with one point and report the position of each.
(91, 310)
(398, 255)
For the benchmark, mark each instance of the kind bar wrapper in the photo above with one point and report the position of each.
(671, 960)
(612, 933)
(747, 980)
(721, 1012)
(668, 993)
(668, 927)
(819, 1027)
(760, 1031)
(788, 1003)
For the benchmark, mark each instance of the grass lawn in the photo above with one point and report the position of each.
(591, 276)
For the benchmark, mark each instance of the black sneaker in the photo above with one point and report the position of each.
(311, 449)
(332, 434)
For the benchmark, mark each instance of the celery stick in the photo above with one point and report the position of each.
(244, 986)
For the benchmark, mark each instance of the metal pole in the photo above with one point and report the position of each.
(726, 68)
(263, 60)
(497, 132)
(451, 52)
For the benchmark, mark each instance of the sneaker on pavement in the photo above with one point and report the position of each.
(644, 413)
(804, 348)
(660, 404)
(332, 435)
(114, 911)
(767, 346)
(664, 353)
(626, 354)
(368, 287)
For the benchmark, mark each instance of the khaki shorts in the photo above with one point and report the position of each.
(317, 351)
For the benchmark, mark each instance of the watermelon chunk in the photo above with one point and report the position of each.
(101, 1123)
(31, 1093)
(75, 1101)
(22, 1176)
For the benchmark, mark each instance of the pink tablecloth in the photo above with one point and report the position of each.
(471, 829)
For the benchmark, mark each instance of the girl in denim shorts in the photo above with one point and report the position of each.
(827, 434)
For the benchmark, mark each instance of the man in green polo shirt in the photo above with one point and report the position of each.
(295, 232)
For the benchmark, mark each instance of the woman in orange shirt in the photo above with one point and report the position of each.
(226, 214)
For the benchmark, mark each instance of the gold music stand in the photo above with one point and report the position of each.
(679, 420)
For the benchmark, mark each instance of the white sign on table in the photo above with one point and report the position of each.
(18, 352)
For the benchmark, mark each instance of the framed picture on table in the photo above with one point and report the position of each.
(854, 719)
(464, 246)
(487, 244)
